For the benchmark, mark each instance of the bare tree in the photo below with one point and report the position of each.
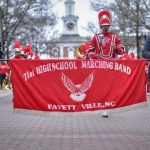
(134, 14)
(129, 15)
(25, 20)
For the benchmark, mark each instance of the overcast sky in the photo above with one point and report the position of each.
(82, 10)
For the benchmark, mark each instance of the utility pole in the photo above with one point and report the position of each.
(1, 43)
(1, 16)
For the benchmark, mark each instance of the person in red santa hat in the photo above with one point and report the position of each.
(105, 45)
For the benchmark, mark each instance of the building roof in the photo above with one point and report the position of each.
(75, 38)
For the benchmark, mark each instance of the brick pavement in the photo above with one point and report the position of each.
(5, 92)
(123, 131)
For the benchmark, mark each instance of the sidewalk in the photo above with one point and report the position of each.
(122, 131)
(4, 93)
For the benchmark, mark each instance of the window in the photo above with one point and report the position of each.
(70, 52)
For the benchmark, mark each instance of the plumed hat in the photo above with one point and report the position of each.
(104, 17)
(132, 55)
(23, 53)
(37, 57)
(17, 47)
(85, 47)
(30, 54)
(28, 47)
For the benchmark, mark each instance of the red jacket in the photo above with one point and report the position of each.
(102, 45)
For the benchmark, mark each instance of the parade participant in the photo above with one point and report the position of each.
(3, 70)
(17, 50)
(27, 50)
(30, 55)
(146, 54)
(105, 45)
(146, 48)
(4, 75)
(37, 57)
(81, 51)
(23, 53)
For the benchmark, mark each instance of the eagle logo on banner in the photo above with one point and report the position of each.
(78, 90)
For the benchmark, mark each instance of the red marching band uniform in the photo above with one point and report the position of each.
(105, 45)
(82, 50)
(101, 44)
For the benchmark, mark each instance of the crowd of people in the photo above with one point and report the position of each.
(24, 52)
(19, 53)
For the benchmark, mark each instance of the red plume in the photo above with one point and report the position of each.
(30, 53)
(121, 57)
(17, 44)
(126, 56)
(28, 48)
(85, 47)
(37, 57)
(132, 55)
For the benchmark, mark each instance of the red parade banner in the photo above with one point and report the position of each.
(77, 85)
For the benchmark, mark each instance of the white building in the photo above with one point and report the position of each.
(66, 45)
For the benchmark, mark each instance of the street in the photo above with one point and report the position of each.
(80, 131)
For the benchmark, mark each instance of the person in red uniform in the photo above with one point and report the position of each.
(105, 45)
(81, 51)
(17, 50)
